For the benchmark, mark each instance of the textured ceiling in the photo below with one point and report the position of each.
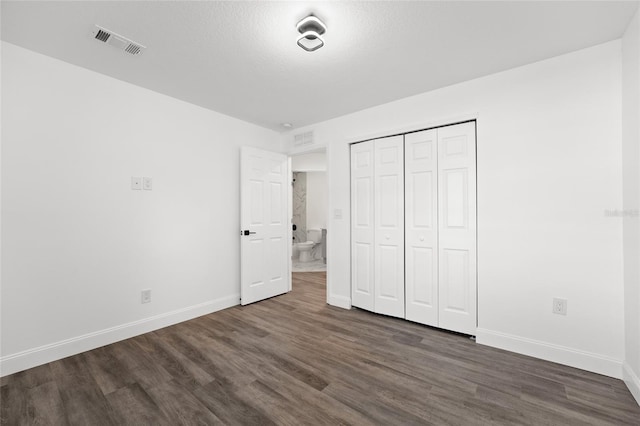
(241, 58)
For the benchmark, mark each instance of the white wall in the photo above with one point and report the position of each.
(631, 200)
(316, 200)
(312, 162)
(78, 245)
(549, 165)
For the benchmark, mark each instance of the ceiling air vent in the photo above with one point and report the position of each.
(102, 35)
(303, 139)
(117, 41)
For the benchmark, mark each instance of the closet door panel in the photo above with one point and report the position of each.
(388, 272)
(455, 280)
(389, 226)
(457, 228)
(421, 230)
(362, 225)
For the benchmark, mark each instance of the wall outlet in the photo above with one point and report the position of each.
(145, 296)
(559, 306)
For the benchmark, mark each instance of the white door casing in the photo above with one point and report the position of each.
(421, 227)
(389, 226)
(457, 227)
(264, 212)
(362, 225)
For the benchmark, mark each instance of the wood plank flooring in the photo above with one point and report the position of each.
(294, 360)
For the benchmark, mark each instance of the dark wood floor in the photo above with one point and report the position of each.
(294, 360)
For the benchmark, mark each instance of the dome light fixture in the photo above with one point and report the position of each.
(311, 29)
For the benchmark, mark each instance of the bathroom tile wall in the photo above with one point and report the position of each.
(300, 206)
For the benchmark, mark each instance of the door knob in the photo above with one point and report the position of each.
(421, 238)
(387, 236)
(246, 232)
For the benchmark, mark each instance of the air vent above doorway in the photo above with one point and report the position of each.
(119, 42)
(303, 139)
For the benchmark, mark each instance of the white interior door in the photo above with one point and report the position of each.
(421, 227)
(457, 227)
(264, 219)
(389, 226)
(362, 225)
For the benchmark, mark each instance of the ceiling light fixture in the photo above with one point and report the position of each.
(311, 29)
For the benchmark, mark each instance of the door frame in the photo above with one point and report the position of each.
(315, 150)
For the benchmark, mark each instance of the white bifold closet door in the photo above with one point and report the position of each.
(377, 250)
(413, 207)
(421, 191)
(389, 226)
(457, 228)
(362, 225)
(440, 179)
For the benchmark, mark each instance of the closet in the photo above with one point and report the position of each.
(413, 226)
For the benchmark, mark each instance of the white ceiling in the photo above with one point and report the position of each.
(241, 58)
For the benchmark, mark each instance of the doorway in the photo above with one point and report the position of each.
(309, 211)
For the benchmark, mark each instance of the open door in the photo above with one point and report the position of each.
(264, 221)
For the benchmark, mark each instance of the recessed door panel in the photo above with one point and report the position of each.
(389, 155)
(363, 159)
(256, 257)
(388, 201)
(455, 198)
(363, 194)
(455, 146)
(256, 202)
(276, 270)
(421, 188)
(276, 168)
(421, 149)
(363, 281)
(455, 280)
(276, 203)
(388, 270)
(421, 269)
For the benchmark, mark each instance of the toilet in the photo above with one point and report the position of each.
(314, 236)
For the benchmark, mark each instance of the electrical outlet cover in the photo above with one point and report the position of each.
(559, 306)
(136, 183)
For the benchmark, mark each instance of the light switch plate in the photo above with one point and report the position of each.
(136, 183)
(337, 214)
(559, 306)
(147, 183)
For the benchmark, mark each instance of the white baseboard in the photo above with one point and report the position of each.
(41, 355)
(589, 361)
(339, 301)
(632, 381)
